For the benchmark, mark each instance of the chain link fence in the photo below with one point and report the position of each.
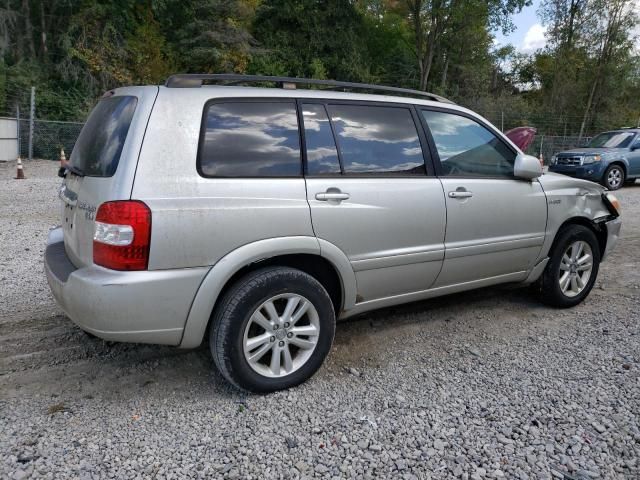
(49, 138)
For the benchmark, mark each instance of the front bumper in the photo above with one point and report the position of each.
(145, 306)
(613, 233)
(593, 171)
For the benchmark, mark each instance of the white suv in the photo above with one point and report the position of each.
(256, 217)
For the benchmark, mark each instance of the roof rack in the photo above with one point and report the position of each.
(194, 80)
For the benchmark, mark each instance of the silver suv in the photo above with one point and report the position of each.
(256, 217)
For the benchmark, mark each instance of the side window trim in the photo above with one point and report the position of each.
(427, 154)
(203, 131)
(434, 151)
(300, 102)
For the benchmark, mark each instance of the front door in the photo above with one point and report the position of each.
(495, 222)
(634, 157)
(371, 196)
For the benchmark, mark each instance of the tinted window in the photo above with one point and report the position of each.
(377, 139)
(250, 139)
(99, 145)
(466, 148)
(322, 156)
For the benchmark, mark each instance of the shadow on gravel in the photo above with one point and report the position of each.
(62, 357)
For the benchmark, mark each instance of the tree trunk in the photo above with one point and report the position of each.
(588, 107)
(43, 31)
(28, 28)
(443, 80)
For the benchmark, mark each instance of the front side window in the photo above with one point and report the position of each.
(374, 139)
(250, 139)
(467, 148)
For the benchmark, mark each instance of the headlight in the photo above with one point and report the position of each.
(613, 204)
(591, 159)
(554, 159)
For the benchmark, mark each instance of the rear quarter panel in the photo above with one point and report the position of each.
(196, 221)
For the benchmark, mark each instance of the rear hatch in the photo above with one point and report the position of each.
(102, 165)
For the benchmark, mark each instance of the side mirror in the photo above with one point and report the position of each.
(635, 146)
(527, 167)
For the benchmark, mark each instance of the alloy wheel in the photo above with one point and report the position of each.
(575, 268)
(281, 335)
(614, 178)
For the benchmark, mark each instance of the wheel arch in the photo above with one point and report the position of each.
(619, 162)
(599, 230)
(622, 163)
(319, 258)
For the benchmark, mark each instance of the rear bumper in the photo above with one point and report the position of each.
(145, 307)
(613, 233)
(591, 172)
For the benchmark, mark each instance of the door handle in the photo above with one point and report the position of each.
(332, 195)
(460, 194)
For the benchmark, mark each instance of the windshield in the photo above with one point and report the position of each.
(612, 140)
(98, 148)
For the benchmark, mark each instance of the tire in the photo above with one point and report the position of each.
(241, 315)
(551, 291)
(613, 177)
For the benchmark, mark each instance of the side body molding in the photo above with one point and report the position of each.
(231, 263)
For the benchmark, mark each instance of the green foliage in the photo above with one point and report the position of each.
(310, 38)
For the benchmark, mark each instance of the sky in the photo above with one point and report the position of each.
(529, 33)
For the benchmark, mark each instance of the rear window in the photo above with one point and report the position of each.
(250, 139)
(377, 140)
(98, 148)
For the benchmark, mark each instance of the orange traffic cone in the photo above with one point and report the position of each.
(63, 159)
(20, 172)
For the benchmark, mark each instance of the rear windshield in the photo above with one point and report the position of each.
(98, 148)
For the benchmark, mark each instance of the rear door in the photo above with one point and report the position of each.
(495, 222)
(102, 165)
(371, 195)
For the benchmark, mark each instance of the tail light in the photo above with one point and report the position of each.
(122, 235)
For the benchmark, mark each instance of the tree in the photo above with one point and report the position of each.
(613, 45)
(431, 19)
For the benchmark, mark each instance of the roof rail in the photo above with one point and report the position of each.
(192, 80)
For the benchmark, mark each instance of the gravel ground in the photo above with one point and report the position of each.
(487, 384)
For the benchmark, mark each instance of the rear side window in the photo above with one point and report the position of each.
(467, 148)
(98, 148)
(250, 139)
(374, 139)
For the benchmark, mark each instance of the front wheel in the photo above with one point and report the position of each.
(613, 177)
(272, 330)
(572, 269)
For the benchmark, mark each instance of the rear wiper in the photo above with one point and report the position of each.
(74, 169)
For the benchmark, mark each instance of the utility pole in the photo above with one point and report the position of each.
(32, 113)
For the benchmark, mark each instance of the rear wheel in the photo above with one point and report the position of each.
(572, 269)
(272, 329)
(613, 177)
